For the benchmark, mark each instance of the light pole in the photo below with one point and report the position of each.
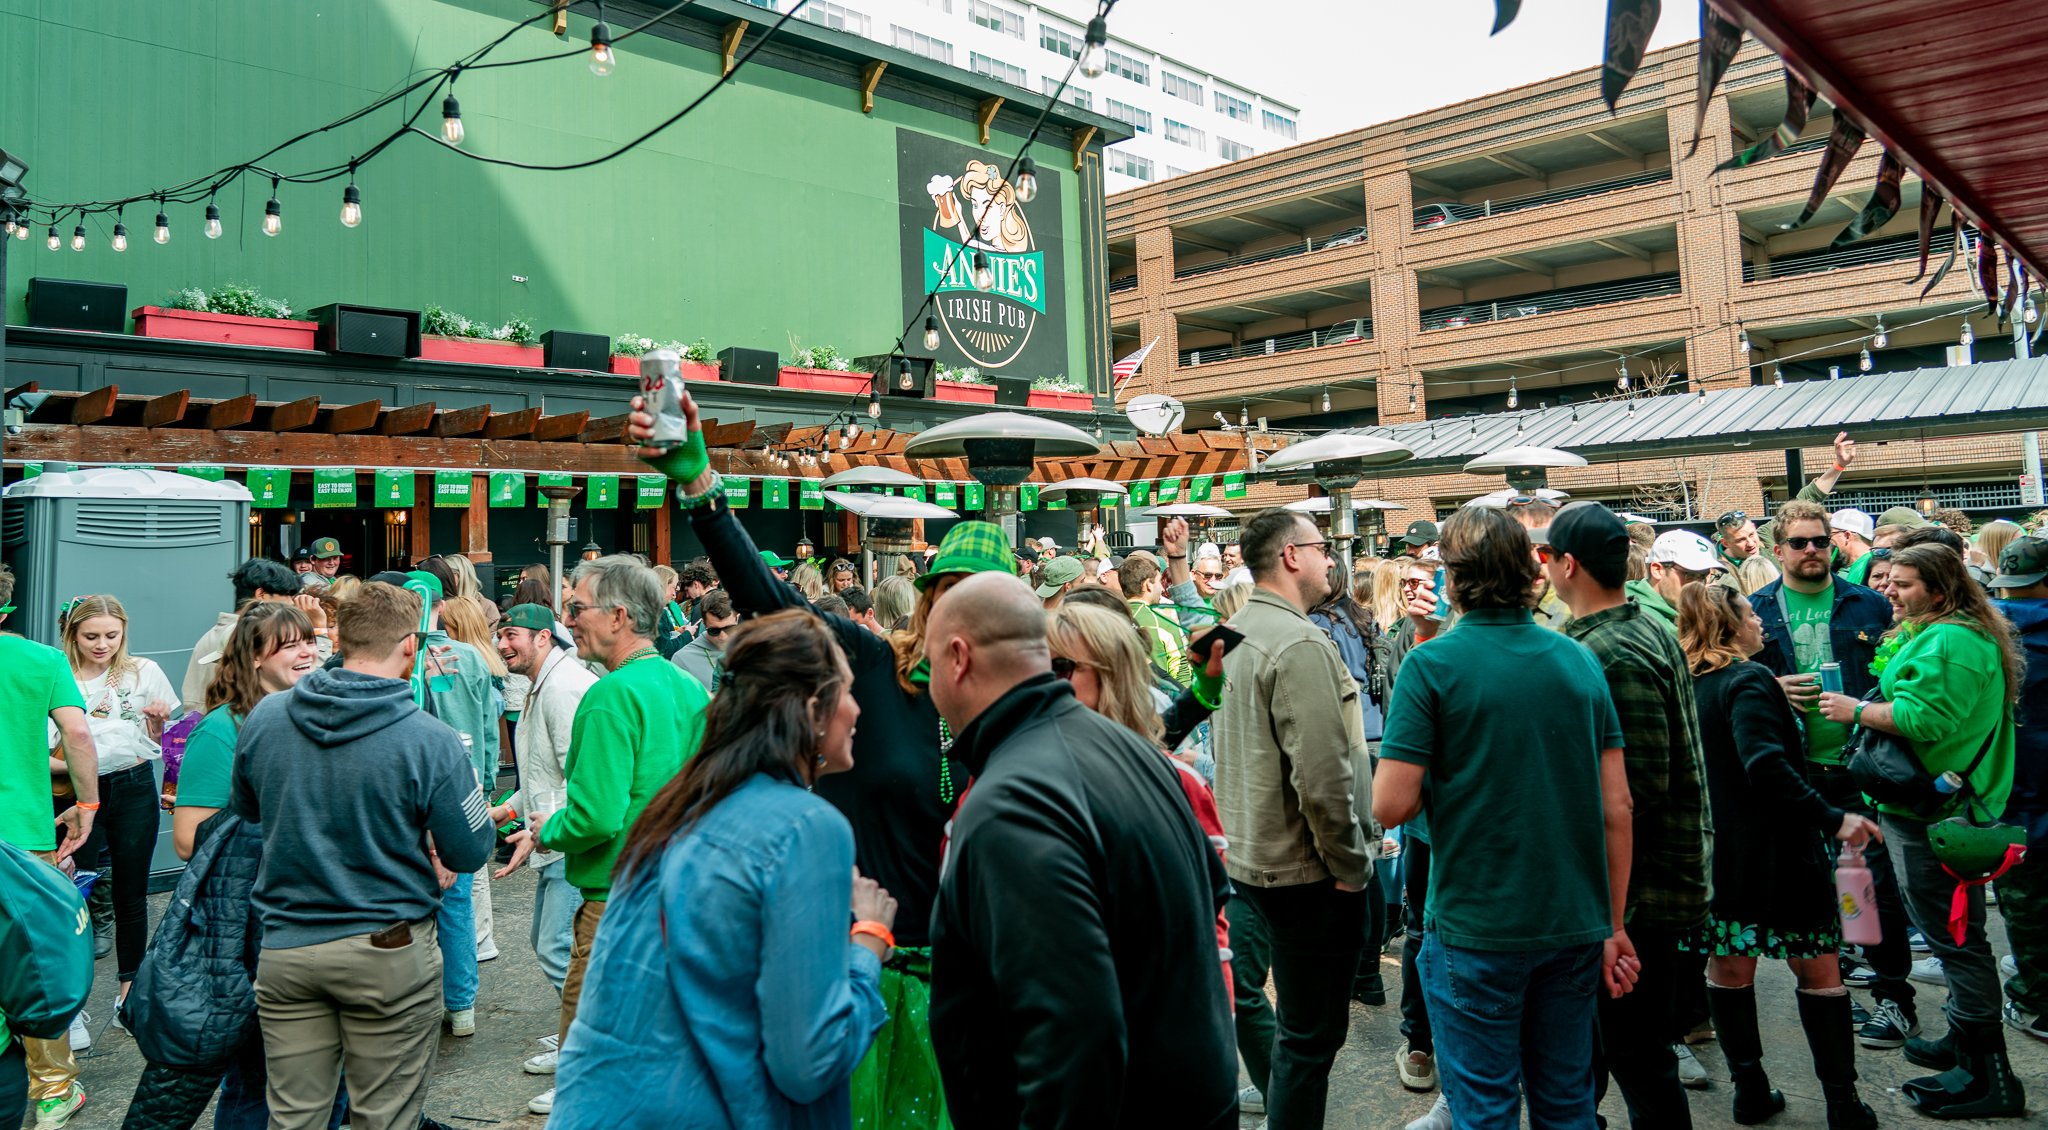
(867, 477)
(1336, 462)
(1085, 497)
(558, 536)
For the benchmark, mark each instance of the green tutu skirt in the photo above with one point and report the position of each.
(896, 1087)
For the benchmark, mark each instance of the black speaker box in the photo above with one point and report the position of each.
(565, 350)
(67, 304)
(749, 366)
(367, 331)
(1013, 392)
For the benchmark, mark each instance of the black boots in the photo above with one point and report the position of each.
(1735, 1023)
(1834, 1059)
(1979, 1085)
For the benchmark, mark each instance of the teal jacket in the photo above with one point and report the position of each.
(462, 692)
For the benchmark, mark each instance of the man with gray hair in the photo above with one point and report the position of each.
(632, 732)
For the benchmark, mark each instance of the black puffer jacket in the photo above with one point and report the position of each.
(193, 1004)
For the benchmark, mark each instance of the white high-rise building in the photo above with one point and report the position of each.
(1183, 118)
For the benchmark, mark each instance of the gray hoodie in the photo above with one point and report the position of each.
(348, 777)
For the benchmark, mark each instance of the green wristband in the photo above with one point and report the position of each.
(681, 464)
(1857, 718)
(1208, 691)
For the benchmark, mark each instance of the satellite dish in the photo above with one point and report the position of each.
(1155, 414)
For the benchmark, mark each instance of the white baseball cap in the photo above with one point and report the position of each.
(1687, 550)
(1854, 521)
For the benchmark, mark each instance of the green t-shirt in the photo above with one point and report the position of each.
(1513, 794)
(1946, 685)
(1859, 573)
(1807, 618)
(34, 680)
(204, 774)
(633, 731)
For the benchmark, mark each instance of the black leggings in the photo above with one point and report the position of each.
(126, 827)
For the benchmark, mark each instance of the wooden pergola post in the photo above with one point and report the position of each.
(420, 527)
(476, 521)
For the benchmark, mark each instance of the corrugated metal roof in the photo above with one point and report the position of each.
(1982, 399)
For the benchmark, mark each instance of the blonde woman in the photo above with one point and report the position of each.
(1230, 599)
(465, 575)
(127, 702)
(1388, 607)
(1991, 540)
(808, 581)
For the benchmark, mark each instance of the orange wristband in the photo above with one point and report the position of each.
(93, 807)
(876, 929)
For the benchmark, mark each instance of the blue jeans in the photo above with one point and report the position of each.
(1506, 1024)
(455, 923)
(554, 921)
(243, 1103)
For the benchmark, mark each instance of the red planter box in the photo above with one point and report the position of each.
(692, 370)
(966, 393)
(229, 329)
(824, 380)
(1065, 401)
(476, 351)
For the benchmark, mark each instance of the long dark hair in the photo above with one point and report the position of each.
(1960, 600)
(777, 691)
(530, 591)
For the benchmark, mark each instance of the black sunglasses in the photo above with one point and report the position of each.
(713, 630)
(1881, 553)
(1798, 544)
(1731, 519)
(1064, 668)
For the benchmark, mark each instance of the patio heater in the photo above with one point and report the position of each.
(1374, 509)
(1527, 468)
(1000, 448)
(1084, 497)
(869, 477)
(1336, 462)
(885, 521)
(559, 534)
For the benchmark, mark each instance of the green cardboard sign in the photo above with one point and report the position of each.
(649, 491)
(394, 488)
(946, 495)
(270, 488)
(1027, 496)
(812, 495)
(602, 492)
(551, 479)
(334, 487)
(1056, 504)
(972, 499)
(1169, 490)
(916, 492)
(774, 494)
(738, 493)
(211, 472)
(1141, 493)
(1205, 486)
(508, 490)
(1233, 484)
(451, 489)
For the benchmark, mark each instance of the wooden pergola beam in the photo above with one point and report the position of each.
(162, 411)
(567, 425)
(460, 421)
(234, 412)
(349, 418)
(92, 407)
(293, 414)
(510, 425)
(611, 429)
(409, 420)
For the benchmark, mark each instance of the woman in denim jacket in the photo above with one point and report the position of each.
(726, 989)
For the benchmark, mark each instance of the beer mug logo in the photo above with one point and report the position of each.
(976, 213)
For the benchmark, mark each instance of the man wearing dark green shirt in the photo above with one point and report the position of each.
(1529, 938)
(1585, 552)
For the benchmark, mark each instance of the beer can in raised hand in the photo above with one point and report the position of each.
(661, 385)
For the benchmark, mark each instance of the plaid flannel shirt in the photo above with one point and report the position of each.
(1670, 882)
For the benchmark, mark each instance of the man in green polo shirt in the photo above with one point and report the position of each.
(632, 733)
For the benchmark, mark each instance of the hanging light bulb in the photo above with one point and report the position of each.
(451, 120)
(874, 407)
(1880, 339)
(1621, 381)
(1411, 398)
(1027, 180)
(1778, 375)
(78, 238)
(351, 203)
(273, 212)
(55, 241)
(1514, 396)
(212, 221)
(2029, 312)
(931, 332)
(1703, 394)
(1098, 427)
(1863, 361)
(602, 59)
(120, 236)
(21, 230)
(1244, 416)
(163, 223)
(1095, 50)
(984, 275)
(1631, 408)
(1326, 398)
(1742, 340)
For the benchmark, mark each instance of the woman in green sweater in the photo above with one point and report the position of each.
(1950, 672)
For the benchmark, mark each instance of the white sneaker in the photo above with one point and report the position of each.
(1690, 1073)
(1417, 1069)
(2009, 966)
(488, 951)
(542, 1064)
(1929, 971)
(1438, 1118)
(80, 1035)
(543, 1103)
(462, 1022)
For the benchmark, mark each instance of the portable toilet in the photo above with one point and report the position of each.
(162, 543)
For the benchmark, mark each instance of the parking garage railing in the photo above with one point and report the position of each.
(1548, 302)
(1308, 245)
(1888, 250)
(1431, 216)
(1350, 330)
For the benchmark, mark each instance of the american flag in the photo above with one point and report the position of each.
(1125, 369)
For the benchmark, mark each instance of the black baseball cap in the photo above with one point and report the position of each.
(1593, 534)
(1420, 533)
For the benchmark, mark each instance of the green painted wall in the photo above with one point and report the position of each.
(770, 212)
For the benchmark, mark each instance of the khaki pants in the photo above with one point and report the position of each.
(347, 1003)
(52, 1069)
(584, 936)
(480, 904)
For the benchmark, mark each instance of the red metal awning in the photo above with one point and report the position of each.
(1951, 86)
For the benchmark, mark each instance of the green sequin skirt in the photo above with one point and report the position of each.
(896, 1086)
(1719, 937)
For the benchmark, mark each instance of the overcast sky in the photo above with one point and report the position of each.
(1351, 63)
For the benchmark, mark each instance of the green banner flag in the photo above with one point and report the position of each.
(211, 472)
(508, 490)
(1169, 490)
(270, 488)
(916, 492)
(946, 495)
(601, 492)
(334, 487)
(811, 495)
(552, 479)
(1205, 486)
(774, 494)
(451, 489)
(972, 500)
(1056, 504)
(738, 493)
(1027, 496)
(394, 488)
(1233, 484)
(1141, 493)
(649, 491)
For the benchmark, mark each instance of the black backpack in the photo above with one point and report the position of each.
(193, 1004)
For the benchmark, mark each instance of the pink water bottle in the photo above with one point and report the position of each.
(1856, 893)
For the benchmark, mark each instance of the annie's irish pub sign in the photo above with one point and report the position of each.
(956, 202)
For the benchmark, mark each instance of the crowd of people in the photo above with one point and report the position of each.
(1047, 836)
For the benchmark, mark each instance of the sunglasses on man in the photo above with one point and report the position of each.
(1731, 520)
(1801, 545)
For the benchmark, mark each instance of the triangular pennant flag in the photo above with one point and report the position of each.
(1720, 41)
(1798, 104)
(601, 492)
(508, 490)
(394, 488)
(1884, 201)
(1629, 24)
(649, 491)
(334, 487)
(451, 489)
(1843, 142)
(774, 494)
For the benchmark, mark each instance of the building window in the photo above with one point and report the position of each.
(917, 43)
(768, 4)
(1232, 151)
(1236, 109)
(1183, 134)
(1130, 165)
(1073, 94)
(996, 18)
(1278, 123)
(996, 69)
(836, 17)
(1059, 41)
(1139, 120)
(1185, 89)
(1173, 172)
(1136, 70)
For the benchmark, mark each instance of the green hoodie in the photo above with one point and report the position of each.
(1653, 602)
